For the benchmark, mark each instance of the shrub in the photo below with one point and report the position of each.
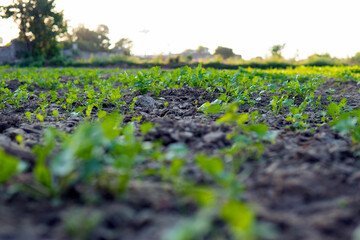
(355, 59)
(322, 60)
(32, 62)
(56, 61)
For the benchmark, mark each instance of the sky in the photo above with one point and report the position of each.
(249, 27)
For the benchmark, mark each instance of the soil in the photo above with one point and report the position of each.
(307, 183)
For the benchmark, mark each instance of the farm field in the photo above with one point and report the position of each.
(180, 154)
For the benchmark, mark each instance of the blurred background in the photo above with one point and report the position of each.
(245, 30)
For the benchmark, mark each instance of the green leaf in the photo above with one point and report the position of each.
(136, 118)
(240, 218)
(177, 150)
(204, 106)
(146, 127)
(111, 125)
(129, 131)
(212, 165)
(43, 151)
(101, 114)
(227, 118)
(223, 97)
(89, 110)
(19, 139)
(8, 166)
(294, 110)
(254, 115)
(90, 167)
(192, 228)
(242, 118)
(40, 117)
(273, 87)
(123, 180)
(80, 109)
(28, 114)
(258, 129)
(63, 163)
(55, 113)
(333, 109)
(214, 108)
(287, 102)
(342, 103)
(175, 167)
(345, 124)
(43, 175)
(205, 196)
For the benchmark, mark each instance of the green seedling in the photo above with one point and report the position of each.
(53, 95)
(8, 166)
(138, 119)
(101, 114)
(132, 105)
(55, 113)
(20, 140)
(40, 117)
(334, 110)
(213, 107)
(146, 127)
(89, 110)
(278, 103)
(28, 116)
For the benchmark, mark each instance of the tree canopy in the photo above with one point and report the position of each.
(124, 46)
(276, 50)
(39, 25)
(224, 52)
(92, 40)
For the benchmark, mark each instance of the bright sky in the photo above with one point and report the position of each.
(249, 27)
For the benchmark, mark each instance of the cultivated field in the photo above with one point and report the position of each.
(180, 155)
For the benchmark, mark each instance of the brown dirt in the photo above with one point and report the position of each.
(307, 184)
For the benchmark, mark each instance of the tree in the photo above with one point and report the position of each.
(224, 52)
(39, 24)
(355, 59)
(123, 46)
(103, 32)
(202, 50)
(276, 50)
(322, 60)
(92, 41)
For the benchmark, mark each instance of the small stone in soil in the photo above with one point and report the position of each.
(213, 137)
